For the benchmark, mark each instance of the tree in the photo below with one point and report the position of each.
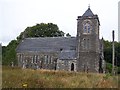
(39, 30)
(108, 55)
(9, 53)
(108, 52)
(68, 35)
(42, 30)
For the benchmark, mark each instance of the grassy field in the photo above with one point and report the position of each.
(28, 78)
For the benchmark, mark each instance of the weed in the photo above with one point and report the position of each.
(28, 78)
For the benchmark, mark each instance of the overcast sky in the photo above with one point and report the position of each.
(16, 15)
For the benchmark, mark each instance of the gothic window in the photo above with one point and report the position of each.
(48, 59)
(45, 59)
(51, 60)
(86, 28)
(36, 59)
(32, 60)
(22, 57)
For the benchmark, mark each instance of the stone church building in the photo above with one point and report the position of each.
(83, 53)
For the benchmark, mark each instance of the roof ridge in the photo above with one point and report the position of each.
(48, 37)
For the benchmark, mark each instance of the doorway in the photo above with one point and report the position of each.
(72, 67)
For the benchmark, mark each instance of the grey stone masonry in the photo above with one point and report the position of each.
(83, 53)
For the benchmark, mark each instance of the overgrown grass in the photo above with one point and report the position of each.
(28, 78)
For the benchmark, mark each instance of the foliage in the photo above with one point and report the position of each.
(68, 35)
(109, 67)
(118, 70)
(108, 55)
(54, 79)
(108, 52)
(39, 30)
(9, 53)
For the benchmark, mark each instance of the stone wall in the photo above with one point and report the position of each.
(66, 65)
(88, 62)
(44, 61)
(37, 60)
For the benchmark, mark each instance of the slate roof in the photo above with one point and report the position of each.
(65, 46)
(88, 12)
(67, 55)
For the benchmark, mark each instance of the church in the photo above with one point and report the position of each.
(83, 53)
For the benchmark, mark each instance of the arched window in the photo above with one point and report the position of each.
(45, 61)
(86, 28)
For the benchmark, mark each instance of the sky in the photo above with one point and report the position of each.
(17, 15)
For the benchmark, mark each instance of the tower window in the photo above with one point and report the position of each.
(86, 28)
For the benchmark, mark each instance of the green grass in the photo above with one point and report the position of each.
(28, 78)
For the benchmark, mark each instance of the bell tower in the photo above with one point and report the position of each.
(88, 43)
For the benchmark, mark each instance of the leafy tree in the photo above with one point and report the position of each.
(68, 35)
(108, 52)
(108, 55)
(42, 30)
(39, 30)
(109, 67)
(9, 53)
